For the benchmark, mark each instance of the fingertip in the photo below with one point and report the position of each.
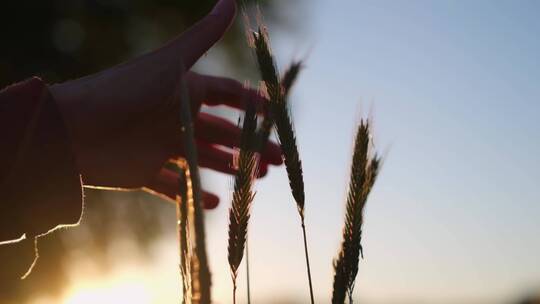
(263, 170)
(210, 201)
(273, 153)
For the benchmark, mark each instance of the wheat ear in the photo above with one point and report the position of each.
(287, 81)
(290, 76)
(200, 272)
(280, 114)
(364, 172)
(243, 194)
(282, 119)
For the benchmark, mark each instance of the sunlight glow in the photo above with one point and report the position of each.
(130, 278)
(124, 288)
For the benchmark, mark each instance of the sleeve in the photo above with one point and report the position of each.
(40, 187)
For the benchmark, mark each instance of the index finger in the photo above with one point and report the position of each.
(226, 91)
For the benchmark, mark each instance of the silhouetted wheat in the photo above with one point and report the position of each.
(282, 119)
(200, 272)
(287, 81)
(289, 77)
(279, 112)
(364, 172)
(183, 232)
(243, 194)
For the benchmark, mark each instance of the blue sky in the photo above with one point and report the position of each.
(453, 91)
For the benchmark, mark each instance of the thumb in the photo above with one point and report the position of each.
(205, 33)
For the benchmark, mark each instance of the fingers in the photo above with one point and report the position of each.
(222, 161)
(215, 159)
(216, 130)
(166, 186)
(210, 200)
(212, 90)
(204, 34)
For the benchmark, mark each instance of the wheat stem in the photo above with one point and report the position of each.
(248, 285)
(183, 233)
(202, 293)
(234, 291)
(307, 261)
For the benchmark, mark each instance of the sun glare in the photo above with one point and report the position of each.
(122, 288)
(131, 279)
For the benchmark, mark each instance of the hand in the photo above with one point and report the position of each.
(125, 124)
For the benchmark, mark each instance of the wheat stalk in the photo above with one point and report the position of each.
(280, 114)
(200, 272)
(183, 230)
(243, 194)
(248, 281)
(364, 172)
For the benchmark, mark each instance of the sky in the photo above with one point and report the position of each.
(452, 90)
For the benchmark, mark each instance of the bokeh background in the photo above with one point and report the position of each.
(452, 88)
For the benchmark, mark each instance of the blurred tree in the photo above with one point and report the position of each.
(64, 39)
